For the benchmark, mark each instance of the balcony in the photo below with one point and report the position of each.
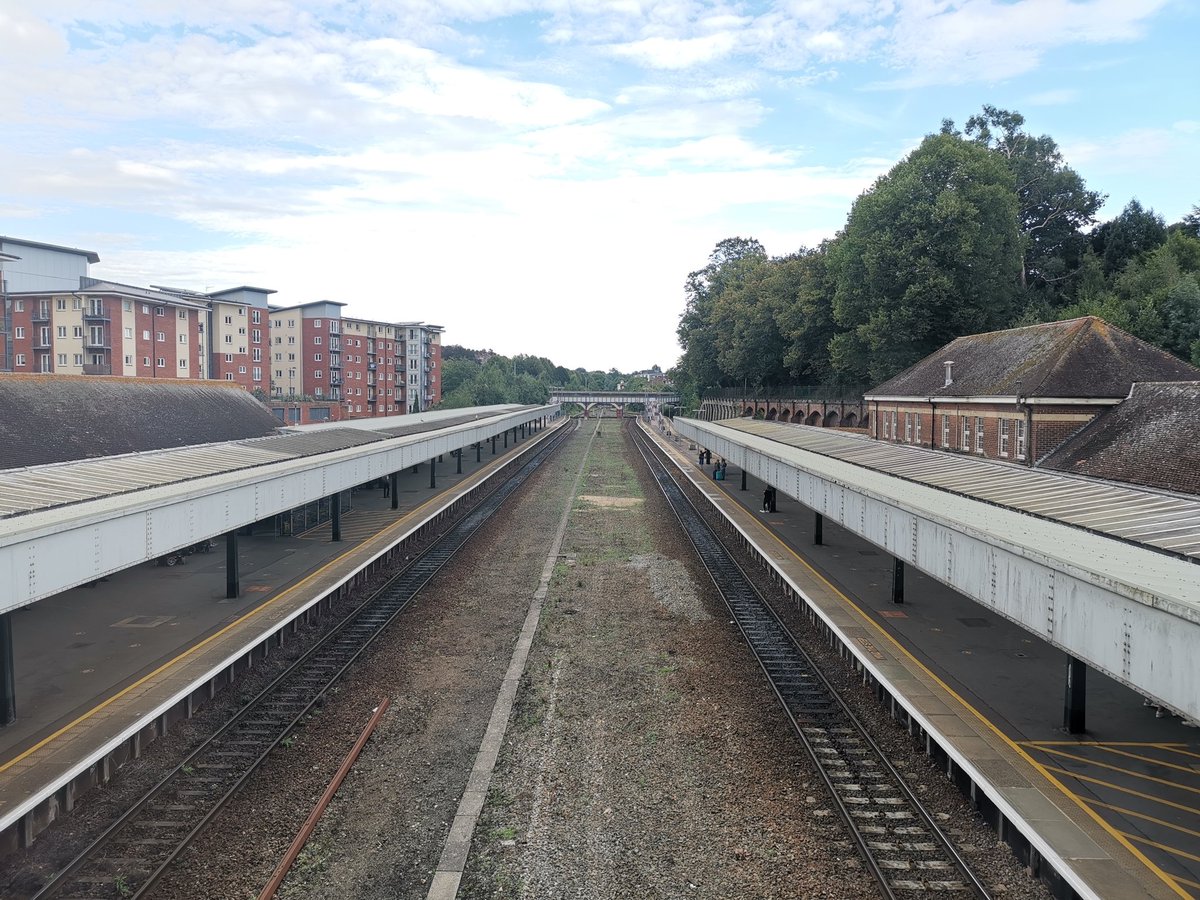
(41, 343)
(334, 381)
(41, 314)
(335, 344)
(95, 315)
(97, 368)
(93, 343)
(371, 367)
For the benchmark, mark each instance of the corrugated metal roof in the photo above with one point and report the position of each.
(59, 484)
(1163, 521)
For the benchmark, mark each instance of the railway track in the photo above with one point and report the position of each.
(130, 856)
(897, 837)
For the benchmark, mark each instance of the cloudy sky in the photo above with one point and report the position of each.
(539, 176)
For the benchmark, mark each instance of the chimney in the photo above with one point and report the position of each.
(949, 364)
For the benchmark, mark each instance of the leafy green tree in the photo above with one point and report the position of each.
(1136, 231)
(932, 251)
(1054, 203)
(805, 287)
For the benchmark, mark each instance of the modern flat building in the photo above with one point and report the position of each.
(422, 365)
(239, 337)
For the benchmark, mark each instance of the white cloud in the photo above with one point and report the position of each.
(1057, 97)
(676, 53)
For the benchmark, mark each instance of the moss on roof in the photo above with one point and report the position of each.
(56, 418)
(1075, 358)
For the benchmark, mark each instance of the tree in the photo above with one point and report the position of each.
(806, 321)
(729, 263)
(1054, 203)
(1134, 232)
(930, 252)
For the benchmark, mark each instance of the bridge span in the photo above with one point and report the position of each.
(1109, 574)
(618, 399)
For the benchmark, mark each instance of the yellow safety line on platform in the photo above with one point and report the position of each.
(212, 637)
(1130, 772)
(1153, 798)
(900, 648)
(1137, 815)
(1163, 847)
(1157, 744)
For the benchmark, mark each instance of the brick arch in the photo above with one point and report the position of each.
(772, 414)
(851, 420)
(748, 411)
(784, 415)
(832, 420)
(814, 418)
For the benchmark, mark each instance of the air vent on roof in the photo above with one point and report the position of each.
(949, 364)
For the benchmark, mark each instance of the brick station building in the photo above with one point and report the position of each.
(1018, 394)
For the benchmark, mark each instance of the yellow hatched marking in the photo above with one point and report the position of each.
(1124, 790)
(1137, 815)
(1174, 851)
(1150, 759)
(1187, 881)
(1141, 775)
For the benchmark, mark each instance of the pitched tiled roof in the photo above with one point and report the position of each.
(1079, 358)
(1149, 439)
(55, 418)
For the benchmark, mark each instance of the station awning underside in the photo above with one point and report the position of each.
(1106, 572)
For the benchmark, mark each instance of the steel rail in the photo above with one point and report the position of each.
(901, 844)
(135, 850)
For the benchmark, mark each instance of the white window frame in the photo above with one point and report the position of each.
(979, 434)
(1002, 438)
(966, 433)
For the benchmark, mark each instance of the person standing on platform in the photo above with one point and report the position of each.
(766, 507)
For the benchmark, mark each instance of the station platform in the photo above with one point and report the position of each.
(1120, 803)
(94, 661)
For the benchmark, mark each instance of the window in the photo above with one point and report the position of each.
(183, 364)
(241, 370)
(129, 334)
(292, 339)
(316, 323)
(229, 320)
(76, 303)
(19, 331)
(61, 331)
(62, 359)
(241, 310)
(19, 306)
(229, 338)
(917, 427)
(256, 355)
(20, 359)
(278, 340)
(146, 361)
(319, 392)
(945, 431)
(128, 307)
(317, 340)
(183, 314)
(160, 336)
(316, 357)
(228, 357)
(145, 335)
(908, 428)
(966, 433)
(979, 434)
(256, 316)
(96, 335)
(183, 338)
(317, 373)
(291, 357)
(242, 330)
(1003, 440)
(895, 426)
(160, 310)
(1020, 438)
(256, 336)
(44, 362)
(229, 376)
(256, 374)
(129, 359)
(77, 331)
(161, 362)
(291, 323)
(77, 359)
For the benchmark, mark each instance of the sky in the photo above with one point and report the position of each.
(540, 176)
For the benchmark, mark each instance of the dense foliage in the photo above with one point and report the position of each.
(480, 378)
(978, 230)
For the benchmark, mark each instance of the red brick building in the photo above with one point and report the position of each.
(1018, 394)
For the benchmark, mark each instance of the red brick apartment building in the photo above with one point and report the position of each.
(1019, 394)
(58, 319)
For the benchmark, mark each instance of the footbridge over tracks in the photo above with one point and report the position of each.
(1108, 573)
(616, 399)
(67, 524)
